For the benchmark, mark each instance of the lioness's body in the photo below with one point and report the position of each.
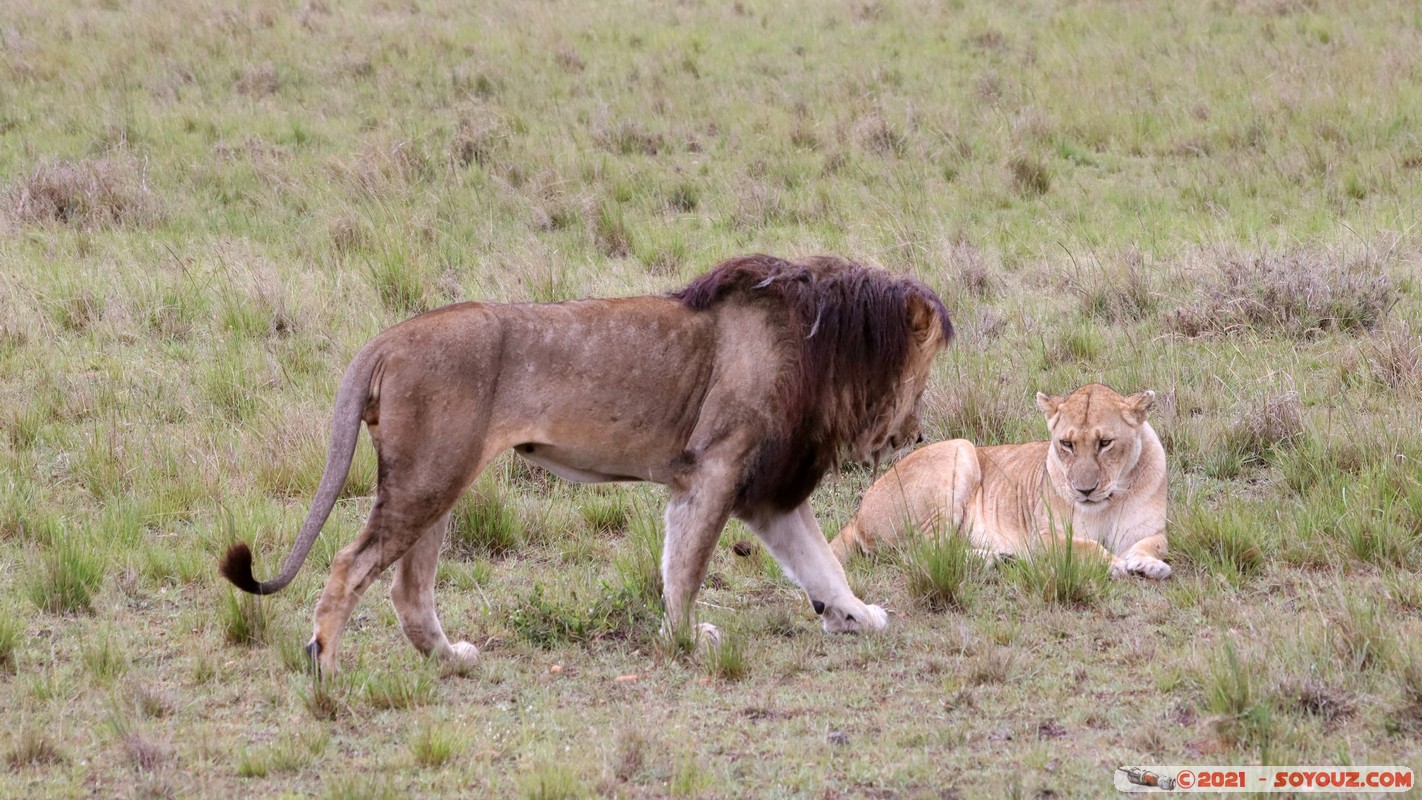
(1008, 498)
(712, 392)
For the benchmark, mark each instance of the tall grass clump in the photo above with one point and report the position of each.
(604, 512)
(1234, 693)
(398, 281)
(1394, 358)
(486, 523)
(104, 660)
(432, 746)
(10, 633)
(1118, 292)
(551, 782)
(1359, 634)
(244, 620)
(1264, 427)
(727, 659)
(1223, 541)
(70, 574)
(639, 567)
(33, 747)
(940, 568)
(1057, 573)
(88, 193)
(397, 689)
(1408, 715)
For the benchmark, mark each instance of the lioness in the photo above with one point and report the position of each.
(1101, 478)
(737, 392)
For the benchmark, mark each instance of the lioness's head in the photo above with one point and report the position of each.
(1096, 441)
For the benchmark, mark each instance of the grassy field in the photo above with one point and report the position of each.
(205, 210)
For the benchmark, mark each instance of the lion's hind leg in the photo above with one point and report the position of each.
(412, 593)
(411, 499)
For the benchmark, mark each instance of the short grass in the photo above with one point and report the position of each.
(206, 208)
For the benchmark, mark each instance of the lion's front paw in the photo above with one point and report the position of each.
(461, 658)
(707, 635)
(1152, 568)
(702, 635)
(865, 618)
(1118, 569)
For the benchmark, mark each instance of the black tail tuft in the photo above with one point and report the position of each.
(236, 567)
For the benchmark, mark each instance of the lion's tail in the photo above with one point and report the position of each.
(849, 541)
(359, 388)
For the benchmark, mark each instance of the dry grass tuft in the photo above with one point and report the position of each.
(1266, 424)
(144, 753)
(1298, 293)
(1030, 176)
(477, 141)
(1315, 698)
(33, 747)
(876, 135)
(631, 754)
(970, 270)
(90, 193)
(1120, 291)
(1394, 358)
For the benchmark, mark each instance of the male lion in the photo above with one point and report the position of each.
(737, 392)
(1101, 478)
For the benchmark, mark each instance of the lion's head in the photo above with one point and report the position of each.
(1095, 441)
(859, 345)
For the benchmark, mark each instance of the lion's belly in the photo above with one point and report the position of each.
(580, 467)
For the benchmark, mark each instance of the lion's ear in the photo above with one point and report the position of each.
(923, 318)
(1138, 406)
(1048, 404)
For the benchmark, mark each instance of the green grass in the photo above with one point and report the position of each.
(10, 633)
(244, 620)
(486, 525)
(1233, 692)
(728, 659)
(205, 212)
(69, 575)
(940, 569)
(432, 746)
(1057, 574)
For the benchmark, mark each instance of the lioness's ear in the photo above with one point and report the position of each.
(1138, 406)
(1048, 404)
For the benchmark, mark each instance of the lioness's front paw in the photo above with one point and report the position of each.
(1152, 568)
(989, 556)
(1118, 569)
(867, 618)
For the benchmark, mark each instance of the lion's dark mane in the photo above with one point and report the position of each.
(851, 334)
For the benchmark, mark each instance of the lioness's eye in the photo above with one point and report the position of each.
(1105, 443)
(1066, 445)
